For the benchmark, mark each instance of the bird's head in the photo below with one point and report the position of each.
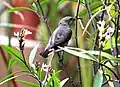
(68, 20)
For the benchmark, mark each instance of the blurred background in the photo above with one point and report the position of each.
(30, 17)
(11, 22)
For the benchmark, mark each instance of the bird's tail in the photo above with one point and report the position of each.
(45, 53)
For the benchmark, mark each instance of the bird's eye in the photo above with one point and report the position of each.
(71, 18)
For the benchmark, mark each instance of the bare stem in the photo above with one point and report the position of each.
(110, 70)
(90, 14)
(76, 30)
(44, 18)
(35, 76)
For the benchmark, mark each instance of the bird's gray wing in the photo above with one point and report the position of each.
(52, 39)
(62, 36)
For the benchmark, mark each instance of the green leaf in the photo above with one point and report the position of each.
(44, 43)
(63, 82)
(57, 73)
(79, 54)
(56, 81)
(32, 55)
(98, 79)
(89, 54)
(34, 7)
(61, 1)
(108, 44)
(94, 8)
(28, 83)
(104, 54)
(6, 77)
(11, 63)
(43, 2)
(40, 74)
(113, 12)
(54, 78)
(16, 54)
(12, 74)
(13, 52)
(49, 82)
(19, 9)
(10, 78)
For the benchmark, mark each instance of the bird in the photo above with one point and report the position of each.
(60, 37)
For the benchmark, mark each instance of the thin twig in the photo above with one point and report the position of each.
(48, 69)
(60, 55)
(103, 12)
(110, 70)
(118, 81)
(35, 76)
(90, 14)
(44, 18)
(117, 27)
(21, 35)
(113, 51)
(96, 42)
(76, 39)
(116, 38)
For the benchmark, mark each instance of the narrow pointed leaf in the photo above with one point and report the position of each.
(12, 62)
(54, 78)
(28, 83)
(98, 80)
(6, 77)
(19, 9)
(11, 75)
(32, 55)
(63, 82)
(13, 52)
(79, 54)
(104, 54)
(1, 83)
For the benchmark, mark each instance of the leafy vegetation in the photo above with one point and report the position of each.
(95, 47)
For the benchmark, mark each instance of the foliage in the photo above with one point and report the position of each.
(102, 29)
